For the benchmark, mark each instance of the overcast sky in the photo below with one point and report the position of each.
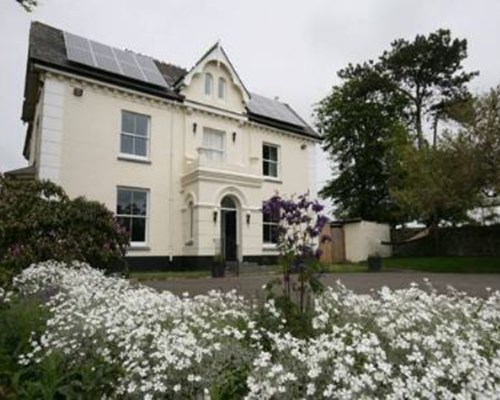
(285, 48)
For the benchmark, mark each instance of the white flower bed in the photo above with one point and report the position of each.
(395, 345)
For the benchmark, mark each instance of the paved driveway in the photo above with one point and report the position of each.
(250, 285)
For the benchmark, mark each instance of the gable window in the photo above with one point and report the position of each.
(134, 138)
(270, 228)
(213, 144)
(132, 213)
(270, 161)
(222, 88)
(209, 83)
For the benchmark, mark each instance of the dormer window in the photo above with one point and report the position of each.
(222, 88)
(209, 84)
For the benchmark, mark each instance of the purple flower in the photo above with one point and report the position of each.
(317, 207)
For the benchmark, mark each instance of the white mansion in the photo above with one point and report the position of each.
(184, 158)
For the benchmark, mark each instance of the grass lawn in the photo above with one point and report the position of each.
(345, 267)
(165, 275)
(445, 264)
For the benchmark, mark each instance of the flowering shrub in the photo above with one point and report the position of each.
(409, 343)
(300, 223)
(39, 222)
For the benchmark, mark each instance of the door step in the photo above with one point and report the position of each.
(232, 268)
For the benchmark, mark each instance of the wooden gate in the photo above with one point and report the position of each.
(334, 250)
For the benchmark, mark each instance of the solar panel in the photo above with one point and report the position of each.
(81, 56)
(107, 64)
(273, 109)
(149, 69)
(132, 70)
(124, 56)
(100, 56)
(99, 48)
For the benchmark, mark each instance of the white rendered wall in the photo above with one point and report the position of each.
(86, 163)
(363, 239)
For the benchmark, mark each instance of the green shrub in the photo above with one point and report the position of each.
(19, 322)
(39, 222)
(24, 320)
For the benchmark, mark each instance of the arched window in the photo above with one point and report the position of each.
(222, 88)
(228, 203)
(209, 83)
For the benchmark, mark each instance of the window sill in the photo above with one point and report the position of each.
(269, 247)
(124, 157)
(273, 180)
(138, 247)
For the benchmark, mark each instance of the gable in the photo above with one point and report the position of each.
(213, 85)
(216, 63)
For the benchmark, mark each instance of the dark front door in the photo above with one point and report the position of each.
(228, 235)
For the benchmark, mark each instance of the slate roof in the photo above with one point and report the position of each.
(47, 47)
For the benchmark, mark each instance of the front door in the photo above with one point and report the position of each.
(229, 235)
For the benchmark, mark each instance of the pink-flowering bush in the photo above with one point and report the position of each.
(39, 222)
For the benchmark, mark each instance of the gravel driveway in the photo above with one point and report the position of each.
(250, 285)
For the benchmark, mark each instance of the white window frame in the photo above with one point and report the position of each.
(277, 162)
(207, 150)
(267, 223)
(221, 88)
(133, 156)
(208, 84)
(146, 217)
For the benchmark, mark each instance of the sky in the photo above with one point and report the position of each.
(286, 48)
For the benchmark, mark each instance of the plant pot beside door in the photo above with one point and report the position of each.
(218, 266)
(374, 263)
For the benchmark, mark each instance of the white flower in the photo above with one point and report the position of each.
(407, 343)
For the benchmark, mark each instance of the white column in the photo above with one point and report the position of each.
(51, 131)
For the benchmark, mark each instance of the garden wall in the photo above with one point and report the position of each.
(355, 240)
(459, 241)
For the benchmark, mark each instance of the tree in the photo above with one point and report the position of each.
(440, 183)
(480, 135)
(39, 222)
(378, 110)
(429, 73)
(363, 129)
(462, 172)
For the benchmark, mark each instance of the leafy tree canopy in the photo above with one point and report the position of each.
(462, 172)
(363, 132)
(429, 73)
(370, 120)
(439, 184)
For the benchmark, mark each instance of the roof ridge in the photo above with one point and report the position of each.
(47, 47)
